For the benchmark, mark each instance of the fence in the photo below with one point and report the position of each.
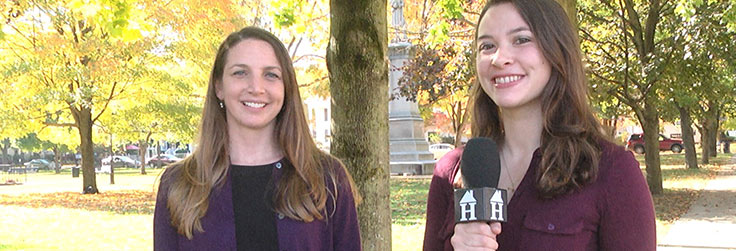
(10, 175)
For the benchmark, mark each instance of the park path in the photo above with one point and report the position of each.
(710, 224)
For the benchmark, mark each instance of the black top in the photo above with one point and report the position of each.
(255, 223)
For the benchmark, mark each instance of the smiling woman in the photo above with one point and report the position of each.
(257, 181)
(251, 90)
(569, 187)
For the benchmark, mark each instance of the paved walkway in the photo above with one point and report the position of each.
(710, 224)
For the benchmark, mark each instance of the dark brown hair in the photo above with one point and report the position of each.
(570, 133)
(301, 193)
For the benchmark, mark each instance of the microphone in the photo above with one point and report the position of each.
(480, 200)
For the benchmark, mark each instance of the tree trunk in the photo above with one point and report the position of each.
(142, 149)
(158, 151)
(358, 70)
(713, 139)
(83, 118)
(5, 146)
(715, 114)
(57, 160)
(462, 115)
(691, 157)
(704, 155)
(708, 130)
(649, 119)
(112, 167)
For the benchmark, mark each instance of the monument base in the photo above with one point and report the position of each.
(412, 167)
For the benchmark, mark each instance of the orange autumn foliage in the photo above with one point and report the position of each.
(121, 202)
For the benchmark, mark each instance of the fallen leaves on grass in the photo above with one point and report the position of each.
(121, 202)
(673, 203)
(408, 200)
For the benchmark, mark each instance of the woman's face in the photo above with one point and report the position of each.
(511, 67)
(252, 86)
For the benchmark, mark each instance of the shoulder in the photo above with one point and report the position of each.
(335, 172)
(615, 159)
(446, 166)
(332, 165)
(618, 169)
(169, 174)
(172, 172)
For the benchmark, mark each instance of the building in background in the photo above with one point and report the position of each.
(320, 120)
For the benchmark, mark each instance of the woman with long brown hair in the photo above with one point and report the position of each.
(570, 188)
(256, 180)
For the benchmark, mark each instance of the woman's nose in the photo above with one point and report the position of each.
(501, 57)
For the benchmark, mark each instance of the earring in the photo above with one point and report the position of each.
(222, 106)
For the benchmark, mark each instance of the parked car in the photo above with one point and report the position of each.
(636, 143)
(121, 161)
(182, 153)
(163, 159)
(41, 164)
(440, 150)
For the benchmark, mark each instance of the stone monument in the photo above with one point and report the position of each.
(408, 147)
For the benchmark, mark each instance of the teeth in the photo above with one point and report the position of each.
(254, 105)
(507, 79)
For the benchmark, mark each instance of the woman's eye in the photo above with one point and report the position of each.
(485, 46)
(523, 40)
(273, 75)
(239, 73)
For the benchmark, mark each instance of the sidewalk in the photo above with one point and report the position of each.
(710, 224)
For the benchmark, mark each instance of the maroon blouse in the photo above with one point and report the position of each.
(615, 212)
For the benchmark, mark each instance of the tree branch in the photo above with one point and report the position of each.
(107, 102)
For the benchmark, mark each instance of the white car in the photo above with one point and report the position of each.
(440, 150)
(121, 161)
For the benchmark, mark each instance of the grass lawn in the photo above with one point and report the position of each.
(408, 206)
(47, 212)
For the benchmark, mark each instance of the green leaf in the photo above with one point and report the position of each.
(438, 34)
(451, 9)
(284, 17)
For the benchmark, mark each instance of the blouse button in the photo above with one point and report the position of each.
(278, 165)
(281, 216)
(551, 227)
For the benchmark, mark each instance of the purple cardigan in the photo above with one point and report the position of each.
(339, 232)
(615, 212)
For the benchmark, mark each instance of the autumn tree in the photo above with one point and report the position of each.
(439, 77)
(439, 72)
(356, 61)
(74, 58)
(628, 49)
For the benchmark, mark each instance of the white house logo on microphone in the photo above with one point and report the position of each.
(492, 206)
(497, 206)
(467, 206)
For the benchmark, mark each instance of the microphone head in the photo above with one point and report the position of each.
(480, 164)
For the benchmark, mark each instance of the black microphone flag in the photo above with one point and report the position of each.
(480, 200)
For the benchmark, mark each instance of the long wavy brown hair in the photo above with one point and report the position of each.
(571, 133)
(300, 194)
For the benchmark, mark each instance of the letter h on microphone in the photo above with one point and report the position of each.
(480, 204)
